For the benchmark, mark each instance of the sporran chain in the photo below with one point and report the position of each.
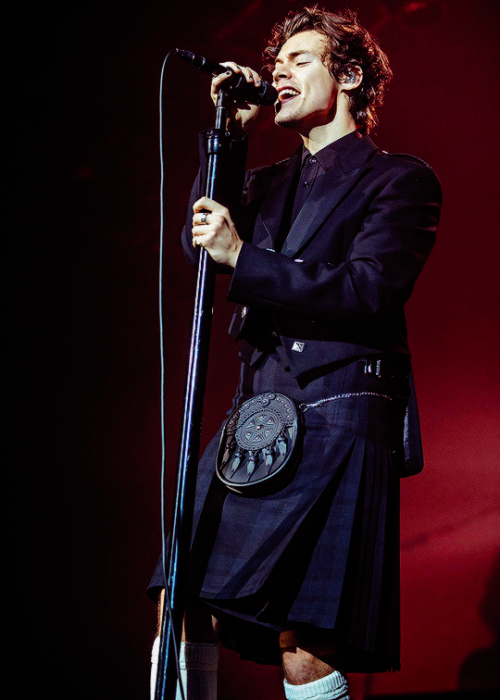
(306, 406)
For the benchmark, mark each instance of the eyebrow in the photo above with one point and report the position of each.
(294, 54)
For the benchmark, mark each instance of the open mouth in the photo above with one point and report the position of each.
(287, 94)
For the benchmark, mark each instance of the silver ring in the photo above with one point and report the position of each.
(204, 217)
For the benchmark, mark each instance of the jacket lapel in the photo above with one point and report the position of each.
(268, 222)
(333, 187)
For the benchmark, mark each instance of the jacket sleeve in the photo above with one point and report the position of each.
(233, 185)
(384, 259)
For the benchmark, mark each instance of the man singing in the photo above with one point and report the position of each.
(324, 249)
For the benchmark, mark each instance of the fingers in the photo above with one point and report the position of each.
(250, 75)
(209, 219)
(214, 230)
(205, 218)
(206, 225)
(204, 203)
(207, 212)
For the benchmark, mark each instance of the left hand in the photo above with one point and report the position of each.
(214, 230)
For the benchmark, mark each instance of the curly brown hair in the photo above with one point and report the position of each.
(349, 44)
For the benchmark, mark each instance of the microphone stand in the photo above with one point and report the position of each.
(182, 516)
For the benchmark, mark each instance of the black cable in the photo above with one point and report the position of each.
(166, 608)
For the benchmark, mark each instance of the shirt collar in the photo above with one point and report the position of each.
(327, 155)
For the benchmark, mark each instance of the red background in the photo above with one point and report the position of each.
(94, 72)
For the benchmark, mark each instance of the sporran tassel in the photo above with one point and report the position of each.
(282, 445)
(269, 458)
(251, 464)
(228, 450)
(236, 463)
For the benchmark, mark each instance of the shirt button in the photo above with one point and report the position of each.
(313, 160)
(306, 184)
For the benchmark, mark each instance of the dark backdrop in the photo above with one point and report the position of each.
(93, 102)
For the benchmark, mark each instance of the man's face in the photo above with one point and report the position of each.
(307, 91)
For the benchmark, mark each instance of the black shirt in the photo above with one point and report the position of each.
(315, 166)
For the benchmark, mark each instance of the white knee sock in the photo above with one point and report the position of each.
(331, 687)
(198, 664)
(155, 653)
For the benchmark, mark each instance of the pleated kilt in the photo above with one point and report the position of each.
(324, 550)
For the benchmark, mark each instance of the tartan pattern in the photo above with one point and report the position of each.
(319, 551)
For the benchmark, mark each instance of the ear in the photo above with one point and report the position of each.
(352, 77)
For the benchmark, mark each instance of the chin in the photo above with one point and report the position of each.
(285, 120)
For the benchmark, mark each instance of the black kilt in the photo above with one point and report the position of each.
(323, 551)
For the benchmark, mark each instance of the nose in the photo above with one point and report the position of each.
(280, 72)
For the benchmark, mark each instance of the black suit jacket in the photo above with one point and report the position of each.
(338, 287)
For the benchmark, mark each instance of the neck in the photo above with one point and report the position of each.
(320, 136)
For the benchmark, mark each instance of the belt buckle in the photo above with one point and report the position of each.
(373, 368)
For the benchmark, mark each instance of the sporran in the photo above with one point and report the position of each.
(260, 445)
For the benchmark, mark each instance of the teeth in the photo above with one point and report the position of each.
(287, 92)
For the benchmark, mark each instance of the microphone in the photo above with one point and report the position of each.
(264, 94)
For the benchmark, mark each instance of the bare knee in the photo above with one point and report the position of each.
(308, 655)
(161, 603)
(198, 625)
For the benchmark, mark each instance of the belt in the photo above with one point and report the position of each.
(385, 367)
